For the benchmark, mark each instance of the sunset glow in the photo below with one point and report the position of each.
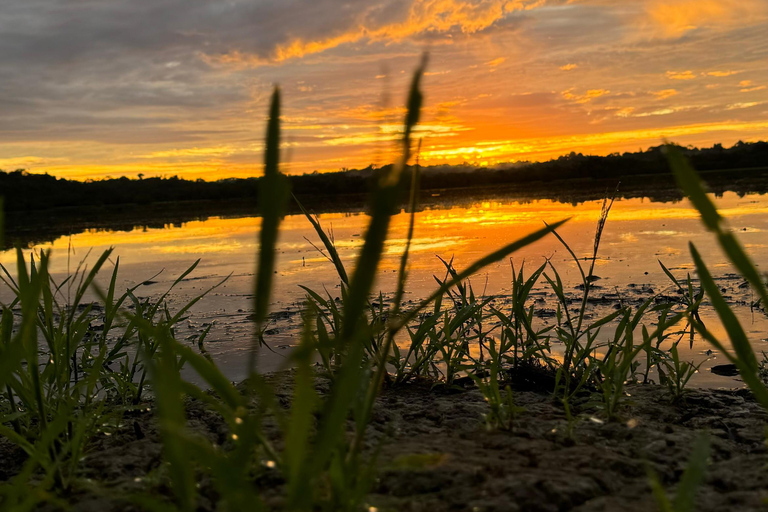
(181, 87)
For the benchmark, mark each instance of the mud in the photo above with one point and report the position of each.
(438, 455)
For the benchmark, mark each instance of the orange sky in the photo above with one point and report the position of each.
(181, 87)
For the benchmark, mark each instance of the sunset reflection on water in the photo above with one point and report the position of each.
(637, 234)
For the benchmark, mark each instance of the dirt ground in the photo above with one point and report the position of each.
(438, 456)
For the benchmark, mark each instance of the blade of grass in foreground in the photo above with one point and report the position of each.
(744, 357)
(299, 432)
(350, 376)
(381, 364)
(693, 476)
(273, 196)
(168, 393)
(691, 184)
(384, 201)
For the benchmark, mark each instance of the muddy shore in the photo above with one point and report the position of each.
(438, 455)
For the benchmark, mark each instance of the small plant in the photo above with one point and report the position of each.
(676, 373)
(70, 369)
(503, 410)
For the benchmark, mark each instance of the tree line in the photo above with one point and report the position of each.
(23, 191)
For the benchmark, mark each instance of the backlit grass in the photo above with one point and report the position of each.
(71, 369)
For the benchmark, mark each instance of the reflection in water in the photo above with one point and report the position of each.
(638, 233)
(41, 226)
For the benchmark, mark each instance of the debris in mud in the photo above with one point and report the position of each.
(726, 370)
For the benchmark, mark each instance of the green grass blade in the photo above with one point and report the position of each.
(670, 276)
(476, 266)
(738, 337)
(168, 392)
(329, 245)
(211, 374)
(752, 380)
(693, 476)
(299, 431)
(384, 202)
(402, 271)
(689, 182)
(273, 195)
(89, 278)
(743, 263)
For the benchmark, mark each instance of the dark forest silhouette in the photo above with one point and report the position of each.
(30, 192)
(40, 207)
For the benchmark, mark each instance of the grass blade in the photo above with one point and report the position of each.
(693, 476)
(273, 196)
(475, 267)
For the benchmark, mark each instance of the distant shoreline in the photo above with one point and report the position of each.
(25, 192)
(36, 226)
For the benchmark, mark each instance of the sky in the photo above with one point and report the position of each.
(97, 88)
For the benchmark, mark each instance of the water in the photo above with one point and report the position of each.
(638, 234)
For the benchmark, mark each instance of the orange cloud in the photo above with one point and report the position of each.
(677, 17)
(569, 67)
(492, 152)
(586, 97)
(196, 152)
(738, 106)
(681, 75)
(664, 94)
(660, 112)
(424, 16)
(723, 73)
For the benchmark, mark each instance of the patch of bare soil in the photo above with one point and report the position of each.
(438, 456)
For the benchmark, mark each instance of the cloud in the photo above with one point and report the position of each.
(660, 112)
(681, 75)
(194, 152)
(586, 97)
(738, 106)
(415, 19)
(100, 87)
(664, 94)
(675, 18)
(723, 73)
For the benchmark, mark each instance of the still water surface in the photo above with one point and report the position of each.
(638, 234)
